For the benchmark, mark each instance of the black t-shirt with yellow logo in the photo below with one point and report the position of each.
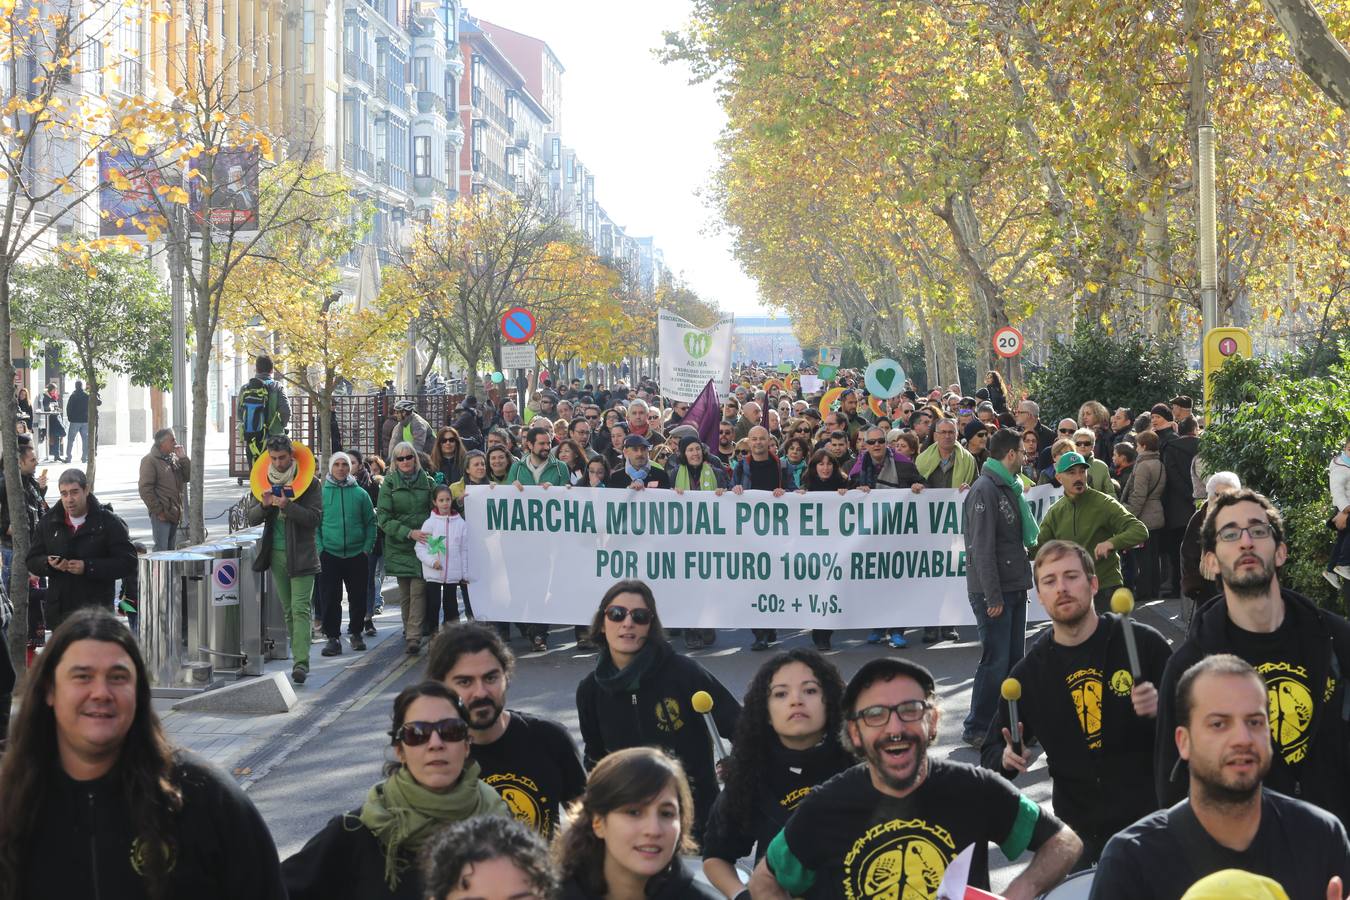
(535, 768)
(849, 840)
(1281, 662)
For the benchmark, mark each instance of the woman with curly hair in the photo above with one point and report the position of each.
(487, 857)
(626, 832)
(787, 742)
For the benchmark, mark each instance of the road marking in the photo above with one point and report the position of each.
(380, 688)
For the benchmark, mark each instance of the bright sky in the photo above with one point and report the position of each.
(646, 133)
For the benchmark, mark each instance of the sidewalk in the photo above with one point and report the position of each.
(249, 745)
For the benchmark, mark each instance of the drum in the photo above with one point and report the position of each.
(1075, 887)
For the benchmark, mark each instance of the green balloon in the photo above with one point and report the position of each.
(497, 377)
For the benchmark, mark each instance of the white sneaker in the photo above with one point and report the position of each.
(1343, 571)
(1332, 577)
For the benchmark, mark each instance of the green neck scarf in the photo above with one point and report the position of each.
(707, 478)
(403, 815)
(613, 680)
(1030, 530)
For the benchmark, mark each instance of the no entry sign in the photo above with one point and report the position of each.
(1008, 342)
(518, 325)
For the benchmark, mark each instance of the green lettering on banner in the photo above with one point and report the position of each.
(943, 519)
(616, 518)
(497, 515)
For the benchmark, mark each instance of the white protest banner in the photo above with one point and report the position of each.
(690, 356)
(810, 384)
(864, 560)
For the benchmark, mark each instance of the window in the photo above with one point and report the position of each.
(421, 156)
(132, 65)
(419, 71)
(556, 158)
(476, 72)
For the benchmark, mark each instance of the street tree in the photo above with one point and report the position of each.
(287, 300)
(469, 263)
(109, 307)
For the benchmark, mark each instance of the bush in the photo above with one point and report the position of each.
(1131, 370)
(1278, 431)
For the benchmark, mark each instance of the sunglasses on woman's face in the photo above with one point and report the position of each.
(616, 613)
(415, 734)
(404, 458)
(448, 440)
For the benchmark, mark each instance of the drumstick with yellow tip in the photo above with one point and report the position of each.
(1011, 689)
(1122, 604)
(702, 702)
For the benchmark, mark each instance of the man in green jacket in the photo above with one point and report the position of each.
(345, 540)
(1094, 521)
(290, 514)
(535, 467)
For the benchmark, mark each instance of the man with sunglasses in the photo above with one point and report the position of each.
(1301, 650)
(891, 827)
(530, 760)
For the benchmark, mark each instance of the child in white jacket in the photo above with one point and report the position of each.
(445, 559)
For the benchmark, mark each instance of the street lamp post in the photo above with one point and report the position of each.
(1207, 245)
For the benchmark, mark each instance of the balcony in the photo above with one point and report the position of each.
(355, 67)
(358, 158)
(522, 141)
(430, 101)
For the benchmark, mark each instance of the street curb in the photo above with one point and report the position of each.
(316, 716)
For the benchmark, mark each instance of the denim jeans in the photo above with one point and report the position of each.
(82, 430)
(163, 533)
(1002, 643)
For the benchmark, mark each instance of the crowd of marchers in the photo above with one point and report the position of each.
(1215, 766)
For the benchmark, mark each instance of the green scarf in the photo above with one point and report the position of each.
(403, 815)
(613, 680)
(707, 478)
(1030, 529)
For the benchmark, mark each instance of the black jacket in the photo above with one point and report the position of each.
(1096, 793)
(619, 478)
(1324, 641)
(83, 843)
(77, 407)
(34, 505)
(1178, 495)
(102, 543)
(680, 885)
(659, 714)
(346, 860)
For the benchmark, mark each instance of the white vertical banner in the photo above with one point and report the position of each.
(690, 356)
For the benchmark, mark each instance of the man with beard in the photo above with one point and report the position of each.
(1095, 521)
(1230, 820)
(890, 827)
(530, 761)
(1100, 742)
(1302, 652)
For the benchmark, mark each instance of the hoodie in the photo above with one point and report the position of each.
(448, 544)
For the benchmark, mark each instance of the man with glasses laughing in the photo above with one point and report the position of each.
(891, 827)
(1302, 652)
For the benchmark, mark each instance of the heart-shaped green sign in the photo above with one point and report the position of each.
(885, 378)
(697, 344)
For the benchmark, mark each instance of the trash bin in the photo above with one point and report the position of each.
(168, 579)
(213, 614)
(251, 637)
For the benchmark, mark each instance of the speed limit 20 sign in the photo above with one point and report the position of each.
(1008, 342)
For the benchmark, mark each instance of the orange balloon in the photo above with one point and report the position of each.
(830, 396)
(877, 405)
(304, 472)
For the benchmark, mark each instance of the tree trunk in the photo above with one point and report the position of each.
(951, 372)
(91, 439)
(9, 446)
(1319, 54)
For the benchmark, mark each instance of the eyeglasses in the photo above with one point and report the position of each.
(1066, 431)
(1083, 443)
(449, 440)
(1256, 532)
(593, 418)
(874, 441)
(405, 458)
(415, 734)
(878, 716)
(616, 613)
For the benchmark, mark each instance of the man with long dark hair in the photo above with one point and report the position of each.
(94, 800)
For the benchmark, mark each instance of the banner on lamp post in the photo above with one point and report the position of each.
(691, 357)
(883, 559)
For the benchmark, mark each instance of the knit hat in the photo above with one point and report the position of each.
(338, 456)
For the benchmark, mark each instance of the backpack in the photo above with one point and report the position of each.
(253, 402)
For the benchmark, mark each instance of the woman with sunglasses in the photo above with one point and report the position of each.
(626, 833)
(447, 457)
(786, 743)
(639, 694)
(372, 852)
(404, 504)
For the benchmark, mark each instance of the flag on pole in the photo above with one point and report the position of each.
(705, 414)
